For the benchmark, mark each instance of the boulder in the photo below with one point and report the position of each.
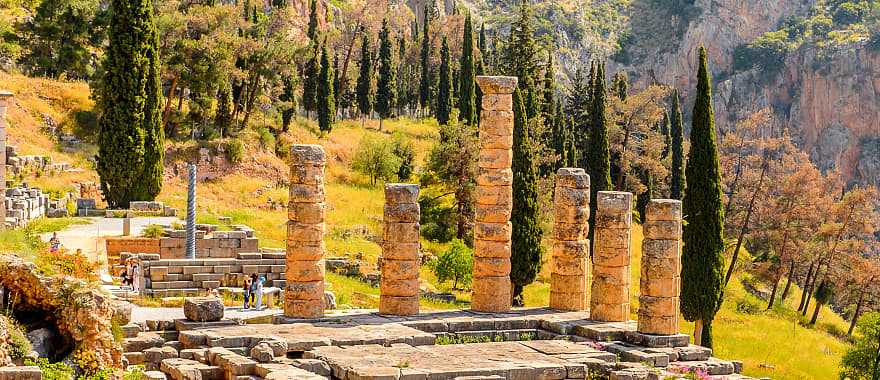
(262, 353)
(41, 341)
(206, 309)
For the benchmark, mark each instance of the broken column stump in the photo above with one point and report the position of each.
(661, 268)
(492, 230)
(304, 296)
(570, 277)
(609, 300)
(399, 284)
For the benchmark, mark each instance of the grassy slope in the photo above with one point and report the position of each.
(770, 343)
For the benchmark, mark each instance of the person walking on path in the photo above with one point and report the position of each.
(135, 277)
(258, 289)
(247, 291)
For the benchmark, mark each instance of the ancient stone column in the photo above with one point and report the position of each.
(611, 257)
(399, 284)
(570, 277)
(661, 268)
(191, 213)
(491, 277)
(304, 296)
(5, 97)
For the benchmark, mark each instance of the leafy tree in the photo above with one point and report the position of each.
(426, 76)
(597, 157)
(467, 92)
(386, 92)
(289, 98)
(676, 187)
(62, 35)
(452, 164)
(526, 246)
(131, 143)
(823, 296)
(365, 79)
(223, 116)
(374, 158)
(326, 99)
(645, 197)
(702, 260)
(455, 264)
(667, 134)
(406, 154)
(862, 360)
(444, 92)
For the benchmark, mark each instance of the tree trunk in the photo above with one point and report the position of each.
(517, 297)
(698, 332)
(788, 280)
(855, 318)
(804, 290)
(745, 225)
(816, 312)
(168, 102)
(773, 293)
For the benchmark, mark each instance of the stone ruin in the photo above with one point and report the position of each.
(24, 204)
(23, 164)
(400, 262)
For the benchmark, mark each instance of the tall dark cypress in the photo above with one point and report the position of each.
(131, 142)
(467, 111)
(702, 260)
(598, 155)
(548, 105)
(386, 86)
(526, 249)
(676, 188)
(444, 90)
(645, 197)
(326, 99)
(481, 43)
(313, 22)
(310, 81)
(426, 76)
(365, 79)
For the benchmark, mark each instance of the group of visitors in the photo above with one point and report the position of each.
(131, 275)
(253, 291)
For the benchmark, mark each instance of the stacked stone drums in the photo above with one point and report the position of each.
(399, 284)
(661, 267)
(492, 230)
(304, 296)
(570, 277)
(611, 257)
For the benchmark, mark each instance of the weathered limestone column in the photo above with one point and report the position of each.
(611, 257)
(661, 268)
(304, 296)
(399, 284)
(5, 97)
(570, 279)
(491, 283)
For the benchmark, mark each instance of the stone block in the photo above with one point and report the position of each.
(570, 197)
(302, 154)
(492, 213)
(571, 214)
(249, 244)
(616, 277)
(493, 231)
(571, 249)
(578, 266)
(575, 178)
(612, 237)
(262, 353)
(492, 249)
(402, 213)
(307, 174)
(399, 287)
(609, 312)
(659, 287)
(491, 267)
(664, 210)
(305, 271)
(658, 306)
(158, 273)
(495, 195)
(495, 158)
(490, 140)
(197, 269)
(305, 251)
(497, 102)
(401, 232)
(304, 308)
(297, 232)
(400, 193)
(203, 309)
(392, 305)
(570, 231)
(568, 284)
(302, 291)
(400, 269)
(307, 213)
(568, 301)
(392, 250)
(306, 193)
(611, 257)
(157, 354)
(663, 230)
(491, 294)
(21, 373)
(494, 177)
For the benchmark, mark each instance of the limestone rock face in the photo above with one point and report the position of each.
(207, 309)
(4, 342)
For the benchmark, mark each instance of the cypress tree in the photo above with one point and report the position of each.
(702, 262)
(677, 148)
(131, 142)
(577, 116)
(455, 83)
(246, 10)
(386, 88)
(525, 259)
(467, 92)
(481, 44)
(365, 79)
(620, 85)
(549, 93)
(310, 82)
(522, 51)
(645, 197)
(598, 156)
(444, 90)
(326, 99)
(223, 115)
(402, 78)
(426, 79)
(313, 22)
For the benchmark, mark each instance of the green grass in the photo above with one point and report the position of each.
(26, 243)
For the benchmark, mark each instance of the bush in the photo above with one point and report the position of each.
(455, 264)
(374, 159)
(52, 371)
(267, 139)
(859, 360)
(405, 154)
(19, 345)
(234, 151)
(745, 306)
(153, 231)
(66, 263)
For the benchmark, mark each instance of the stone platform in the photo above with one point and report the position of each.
(521, 344)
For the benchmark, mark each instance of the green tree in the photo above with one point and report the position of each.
(313, 22)
(289, 98)
(406, 155)
(525, 259)
(374, 158)
(577, 117)
(426, 76)
(310, 81)
(823, 296)
(597, 158)
(455, 264)
(676, 187)
(620, 85)
(702, 262)
(467, 111)
(645, 197)
(326, 99)
(131, 143)
(667, 135)
(522, 51)
(223, 115)
(452, 164)
(386, 91)
(444, 91)
(862, 359)
(62, 35)
(365, 79)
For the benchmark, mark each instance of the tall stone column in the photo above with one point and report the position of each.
(5, 97)
(491, 282)
(399, 284)
(611, 257)
(570, 278)
(191, 213)
(304, 296)
(661, 269)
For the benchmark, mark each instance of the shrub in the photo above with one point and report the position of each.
(67, 263)
(153, 231)
(859, 361)
(19, 345)
(52, 371)
(405, 154)
(234, 151)
(455, 264)
(745, 306)
(374, 159)
(267, 139)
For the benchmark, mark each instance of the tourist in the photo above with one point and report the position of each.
(258, 285)
(54, 243)
(126, 273)
(135, 276)
(247, 291)
(254, 281)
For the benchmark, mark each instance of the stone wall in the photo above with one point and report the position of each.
(611, 257)
(24, 204)
(189, 278)
(570, 277)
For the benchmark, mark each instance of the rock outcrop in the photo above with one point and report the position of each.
(82, 313)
